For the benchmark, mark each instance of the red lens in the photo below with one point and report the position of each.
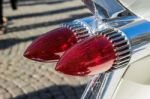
(92, 56)
(47, 46)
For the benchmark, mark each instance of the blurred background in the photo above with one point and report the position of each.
(21, 78)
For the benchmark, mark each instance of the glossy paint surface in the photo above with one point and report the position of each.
(49, 46)
(92, 56)
(138, 7)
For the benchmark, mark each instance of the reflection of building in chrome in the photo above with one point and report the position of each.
(145, 37)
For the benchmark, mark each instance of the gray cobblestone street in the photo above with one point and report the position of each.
(21, 78)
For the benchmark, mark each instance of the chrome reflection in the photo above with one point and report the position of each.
(105, 8)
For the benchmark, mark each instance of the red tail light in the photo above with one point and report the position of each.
(92, 56)
(47, 46)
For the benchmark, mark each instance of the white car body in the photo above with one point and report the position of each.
(136, 82)
(139, 7)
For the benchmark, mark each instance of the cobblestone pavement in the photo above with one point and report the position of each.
(21, 78)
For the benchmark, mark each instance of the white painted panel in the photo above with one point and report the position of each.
(139, 7)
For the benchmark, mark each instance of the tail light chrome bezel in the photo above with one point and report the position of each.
(80, 30)
(121, 46)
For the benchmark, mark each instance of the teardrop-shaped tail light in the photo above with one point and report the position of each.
(49, 47)
(94, 55)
